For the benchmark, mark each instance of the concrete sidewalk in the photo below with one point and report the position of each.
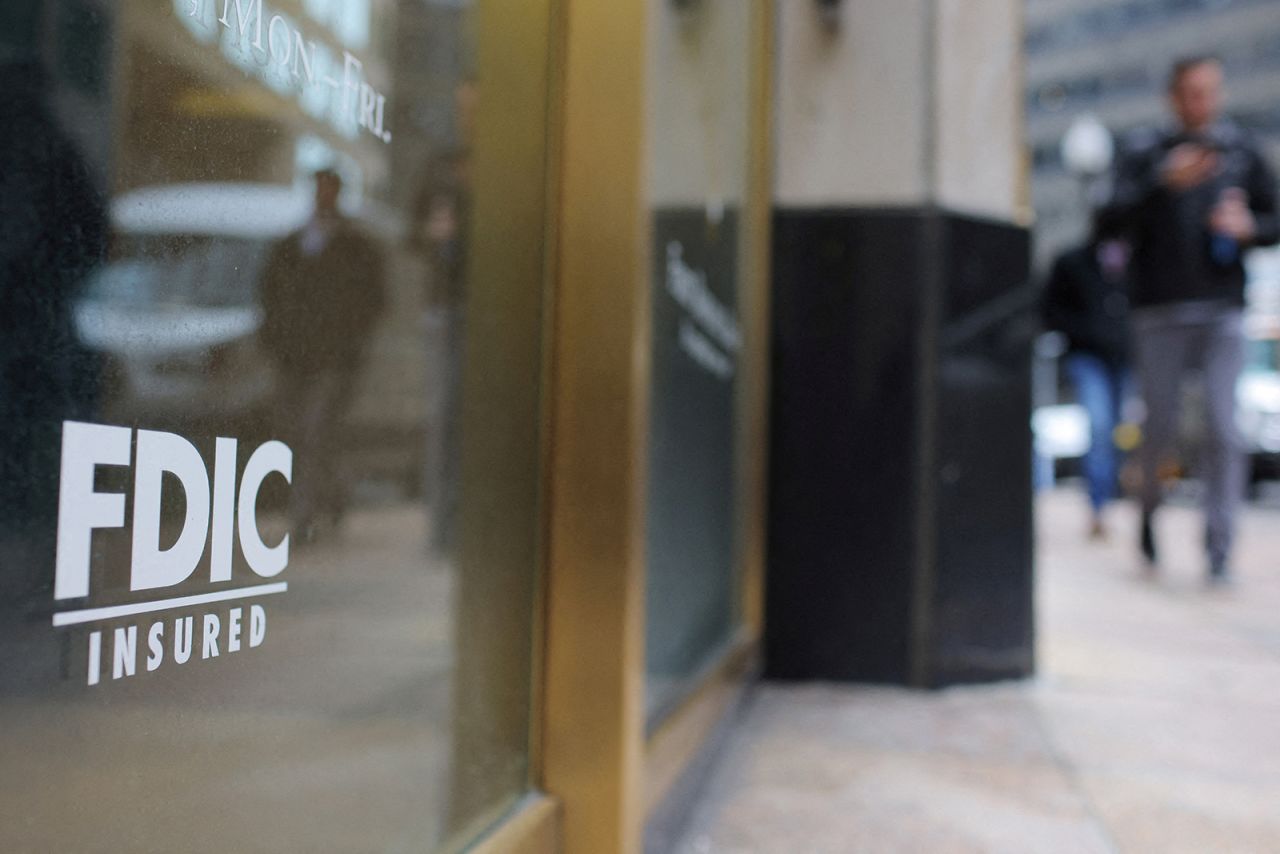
(1154, 724)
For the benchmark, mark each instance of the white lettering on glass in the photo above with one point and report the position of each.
(95, 658)
(215, 510)
(152, 566)
(224, 498)
(155, 643)
(80, 508)
(243, 17)
(270, 457)
(125, 660)
(233, 631)
(212, 626)
(713, 336)
(183, 629)
(124, 642)
(279, 53)
(257, 624)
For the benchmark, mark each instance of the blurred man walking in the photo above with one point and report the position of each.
(1087, 300)
(322, 294)
(1196, 197)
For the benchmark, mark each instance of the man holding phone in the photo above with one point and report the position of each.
(1195, 197)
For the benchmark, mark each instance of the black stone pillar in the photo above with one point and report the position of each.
(900, 522)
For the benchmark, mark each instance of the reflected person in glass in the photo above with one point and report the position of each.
(1196, 196)
(322, 293)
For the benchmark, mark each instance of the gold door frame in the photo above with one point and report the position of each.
(590, 754)
(510, 263)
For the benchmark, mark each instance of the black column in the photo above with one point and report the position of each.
(900, 524)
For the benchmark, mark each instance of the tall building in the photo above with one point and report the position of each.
(1111, 58)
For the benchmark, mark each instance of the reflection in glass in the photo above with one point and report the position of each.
(247, 224)
(697, 184)
(322, 292)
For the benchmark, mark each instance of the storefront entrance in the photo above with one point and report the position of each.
(310, 352)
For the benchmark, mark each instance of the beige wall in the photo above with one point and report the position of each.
(850, 104)
(979, 150)
(698, 103)
(904, 103)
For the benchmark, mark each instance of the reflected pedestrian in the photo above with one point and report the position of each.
(1196, 196)
(322, 293)
(441, 219)
(1087, 300)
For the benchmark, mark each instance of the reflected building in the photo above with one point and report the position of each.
(245, 102)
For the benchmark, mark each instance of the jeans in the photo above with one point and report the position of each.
(1100, 389)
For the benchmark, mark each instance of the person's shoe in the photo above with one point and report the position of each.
(1148, 541)
(1097, 528)
(1219, 575)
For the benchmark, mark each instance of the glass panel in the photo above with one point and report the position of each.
(233, 606)
(700, 134)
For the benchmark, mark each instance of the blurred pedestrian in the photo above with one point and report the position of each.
(321, 294)
(1087, 300)
(1196, 196)
(440, 227)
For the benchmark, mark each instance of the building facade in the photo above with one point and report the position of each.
(386, 402)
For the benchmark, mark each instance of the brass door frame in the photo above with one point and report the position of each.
(503, 526)
(593, 716)
(596, 759)
(590, 755)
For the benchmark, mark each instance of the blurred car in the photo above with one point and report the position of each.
(175, 314)
(1258, 392)
(1258, 397)
(1061, 431)
(175, 310)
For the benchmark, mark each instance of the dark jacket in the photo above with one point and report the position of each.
(1172, 259)
(1089, 308)
(444, 185)
(319, 310)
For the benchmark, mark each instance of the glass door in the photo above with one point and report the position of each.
(271, 421)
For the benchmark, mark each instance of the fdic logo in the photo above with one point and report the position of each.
(231, 507)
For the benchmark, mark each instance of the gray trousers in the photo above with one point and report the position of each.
(316, 404)
(1173, 342)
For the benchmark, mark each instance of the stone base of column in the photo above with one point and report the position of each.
(900, 525)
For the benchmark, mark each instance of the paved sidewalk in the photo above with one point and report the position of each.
(1154, 724)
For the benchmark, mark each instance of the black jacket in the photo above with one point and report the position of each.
(1089, 308)
(1172, 261)
(319, 310)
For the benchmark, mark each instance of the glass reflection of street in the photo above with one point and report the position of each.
(348, 697)
(261, 214)
(322, 293)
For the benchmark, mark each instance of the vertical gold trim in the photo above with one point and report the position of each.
(503, 401)
(533, 829)
(594, 669)
(1024, 208)
(553, 138)
(682, 735)
(753, 414)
